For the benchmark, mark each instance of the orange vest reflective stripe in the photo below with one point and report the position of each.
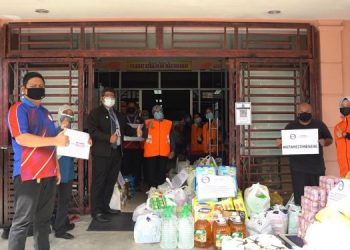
(196, 148)
(343, 145)
(207, 137)
(158, 140)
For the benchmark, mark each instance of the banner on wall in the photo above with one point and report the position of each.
(159, 65)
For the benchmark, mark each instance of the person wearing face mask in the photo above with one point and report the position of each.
(209, 136)
(306, 169)
(36, 170)
(159, 146)
(107, 128)
(197, 149)
(342, 138)
(64, 189)
(132, 157)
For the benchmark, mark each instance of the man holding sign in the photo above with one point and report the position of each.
(305, 157)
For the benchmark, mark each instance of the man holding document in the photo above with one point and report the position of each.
(303, 140)
(107, 128)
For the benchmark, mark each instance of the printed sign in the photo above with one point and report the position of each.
(243, 111)
(300, 142)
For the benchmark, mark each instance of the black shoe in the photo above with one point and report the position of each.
(5, 233)
(113, 211)
(65, 235)
(101, 218)
(70, 226)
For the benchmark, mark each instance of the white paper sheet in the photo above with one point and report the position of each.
(212, 187)
(78, 145)
(300, 142)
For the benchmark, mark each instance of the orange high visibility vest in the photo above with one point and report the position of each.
(196, 148)
(158, 140)
(343, 145)
(207, 137)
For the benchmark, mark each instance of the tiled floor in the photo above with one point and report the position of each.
(85, 240)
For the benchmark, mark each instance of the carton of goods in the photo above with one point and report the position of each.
(204, 210)
(229, 171)
(238, 203)
(310, 205)
(328, 182)
(315, 193)
(224, 204)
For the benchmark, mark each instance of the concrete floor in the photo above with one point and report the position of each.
(85, 240)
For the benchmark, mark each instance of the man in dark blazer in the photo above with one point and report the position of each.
(107, 128)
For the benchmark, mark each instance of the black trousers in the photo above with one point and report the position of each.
(131, 165)
(300, 180)
(64, 195)
(105, 172)
(34, 203)
(157, 169)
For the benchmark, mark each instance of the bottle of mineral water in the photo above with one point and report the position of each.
(186, 228)
(168, 238)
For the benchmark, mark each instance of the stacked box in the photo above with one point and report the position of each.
(304, 224)
(328, 183)
(314, 199)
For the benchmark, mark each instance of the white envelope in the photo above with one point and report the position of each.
(78, 147)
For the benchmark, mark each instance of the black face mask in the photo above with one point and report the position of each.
(36, 93)
(304, 117)
(131, 110)
(345, 111)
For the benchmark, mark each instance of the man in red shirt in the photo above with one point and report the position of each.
(36, 171)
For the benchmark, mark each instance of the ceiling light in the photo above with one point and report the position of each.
(217, 92)
(274, 12)
(157, 92)
(42, 11)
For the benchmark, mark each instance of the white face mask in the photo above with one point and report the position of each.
(108, 102)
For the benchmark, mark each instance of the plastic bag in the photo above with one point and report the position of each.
(181, 165)
(115, 202)
(327, 235)
(278, 218)
(258, 224)
(155, 200)
(293, 222)
(140, 210)
(257, 199)
(147, 229)
(276, 198)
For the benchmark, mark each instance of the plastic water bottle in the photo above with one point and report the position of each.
(168, 237)
(186, 229)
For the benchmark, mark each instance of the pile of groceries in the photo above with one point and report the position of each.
(202, 207)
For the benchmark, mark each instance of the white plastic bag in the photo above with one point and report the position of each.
(115, 202)
(293, 221)
(180, 165)
(327, 235)
(278, 218)
(147, 229)
(140, 210)
(257, 199)
(258, 224)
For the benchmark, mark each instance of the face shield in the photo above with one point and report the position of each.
(64, 115)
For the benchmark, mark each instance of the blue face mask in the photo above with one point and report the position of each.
(158, 115)
(209, 116)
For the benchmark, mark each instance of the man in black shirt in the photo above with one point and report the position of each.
(306, 169)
